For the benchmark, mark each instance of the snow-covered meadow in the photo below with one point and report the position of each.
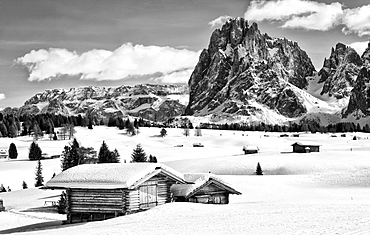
(314, 193)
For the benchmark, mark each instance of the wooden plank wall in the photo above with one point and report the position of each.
(132, 201)
(108, 202)
(164, 188)
(96, 201)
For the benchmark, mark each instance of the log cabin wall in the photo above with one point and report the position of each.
(164, 189)
(155, 191)
(94, 204)
(210, 194)
(132, 201)
(99, 204)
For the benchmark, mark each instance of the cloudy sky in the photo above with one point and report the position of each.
(47, 44)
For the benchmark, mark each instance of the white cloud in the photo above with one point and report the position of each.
(219, 21)
(279, 10)
(2, 96)
(126, 61)
(175, 77)
(323, 18)
(311, 15)
(357, 20)
(359, 47)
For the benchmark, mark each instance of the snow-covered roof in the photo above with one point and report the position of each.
(250, 147)
(198, 180)
(111, 175)
(306, 143)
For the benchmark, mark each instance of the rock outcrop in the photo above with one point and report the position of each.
(359, 102)
(153, 102)
(244, 72)
(339, 71)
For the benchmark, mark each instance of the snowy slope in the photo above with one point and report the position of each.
(325, 192)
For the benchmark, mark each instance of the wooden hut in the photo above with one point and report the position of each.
(203, 188)
(250, 149)
(305, 147)
(2, 208)
(3, 154)
(102, 191)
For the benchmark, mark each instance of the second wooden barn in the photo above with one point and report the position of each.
(203, 188)
(305, 147)
(102, 191)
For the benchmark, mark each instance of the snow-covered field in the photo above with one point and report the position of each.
(316, 193)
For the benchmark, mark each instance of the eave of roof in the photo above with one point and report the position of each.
(107, 176)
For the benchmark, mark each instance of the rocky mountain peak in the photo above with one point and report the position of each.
(339, 71)
(242, 67)
(359, 103)
(366, 56)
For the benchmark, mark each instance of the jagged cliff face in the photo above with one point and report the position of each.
(366, 56)
(340, 71)
(244, 71)
(359, 102)
(153, 102)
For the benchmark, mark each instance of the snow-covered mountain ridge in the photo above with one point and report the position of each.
(245, 75)
(150, 101)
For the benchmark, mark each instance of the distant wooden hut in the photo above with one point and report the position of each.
(305, 147)
(250, 149)
(2, 208)
(3, 154)
(203, 188)
(102, 191)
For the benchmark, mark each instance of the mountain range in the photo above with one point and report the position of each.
(243, 76)
(149, 101)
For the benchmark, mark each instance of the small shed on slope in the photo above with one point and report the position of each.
(203, 188)
(102, 191)
(305, 147)
(4, 154)
(250, 149)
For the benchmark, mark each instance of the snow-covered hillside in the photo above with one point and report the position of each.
(325, 192)
(149, 101)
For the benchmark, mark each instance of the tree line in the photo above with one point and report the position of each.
(293, 127)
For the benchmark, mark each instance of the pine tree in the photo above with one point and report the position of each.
(72, 155)
(152, 159)
(90, 126)
(138, 154)
(34, 152)
(3, 129)
(37, 131)
(39, 179)
(75, 153)
(186, 132)
(130, 128)
(198, 132)
(163, 132)
(115, 157)
(62, 203)
(66, 161)
(259, 169)
(12, 131)
(24, 185)
(104, 153)
(13, 153)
